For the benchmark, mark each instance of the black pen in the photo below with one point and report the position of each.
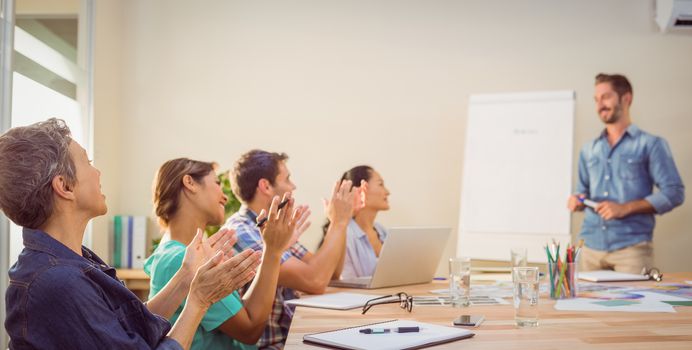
(387, 330)
(264, 219)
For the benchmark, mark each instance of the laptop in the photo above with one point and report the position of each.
(410, 255)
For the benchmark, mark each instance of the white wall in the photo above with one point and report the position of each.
(386, 83)
(108, 116)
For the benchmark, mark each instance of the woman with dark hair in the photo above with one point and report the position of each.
(364, 236)
(187, 198)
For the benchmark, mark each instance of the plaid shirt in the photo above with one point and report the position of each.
(248, 234)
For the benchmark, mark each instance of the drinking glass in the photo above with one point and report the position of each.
(518, 257)
(525, 280)
(460, 281)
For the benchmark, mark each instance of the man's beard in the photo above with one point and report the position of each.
(615, 116)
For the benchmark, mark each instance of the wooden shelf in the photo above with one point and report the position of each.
(132, 274)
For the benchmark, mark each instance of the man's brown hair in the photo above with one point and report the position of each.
(30, 158)
(251, 168)
(618, 81)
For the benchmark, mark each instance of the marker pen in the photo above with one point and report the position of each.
(264, 219)
(589, 203)
(387, 330)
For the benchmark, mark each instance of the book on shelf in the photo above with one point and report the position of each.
(129, 249)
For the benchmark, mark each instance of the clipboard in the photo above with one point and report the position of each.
(352, 338)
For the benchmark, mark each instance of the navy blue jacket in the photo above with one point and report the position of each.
(60, 300)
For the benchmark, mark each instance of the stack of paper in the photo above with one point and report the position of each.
(335, 301)
(610, 276)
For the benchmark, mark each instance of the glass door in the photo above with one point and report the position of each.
(52, 73)
(6, 38)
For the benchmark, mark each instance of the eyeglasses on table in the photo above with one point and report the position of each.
(405, 301)
(653, 274)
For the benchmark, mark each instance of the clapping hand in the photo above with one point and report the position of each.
(283, 226)
(302, 223)
(201, 249)
(345, 202)
(219, 276)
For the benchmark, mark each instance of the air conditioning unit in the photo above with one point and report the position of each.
(674, 14)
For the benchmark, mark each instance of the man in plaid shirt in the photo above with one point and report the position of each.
(257, 177)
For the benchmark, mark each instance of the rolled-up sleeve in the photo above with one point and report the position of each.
(583, 181)
(671, 191)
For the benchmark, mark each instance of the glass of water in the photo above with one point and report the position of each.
(518, 257)
(460, 281)
(525, 280)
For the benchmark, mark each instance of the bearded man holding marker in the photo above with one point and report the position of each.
(617, 174)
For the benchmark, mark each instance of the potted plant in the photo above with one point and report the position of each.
(232, 205)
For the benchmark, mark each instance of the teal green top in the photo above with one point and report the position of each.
(161, 266)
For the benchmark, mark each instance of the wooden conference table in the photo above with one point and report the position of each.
(556, 330)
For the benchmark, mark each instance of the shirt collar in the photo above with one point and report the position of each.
(356, 229)
(632, 130)
(360, 233)
(247, 213)
(43, 242)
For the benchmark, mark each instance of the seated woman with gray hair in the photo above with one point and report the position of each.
(61, 294)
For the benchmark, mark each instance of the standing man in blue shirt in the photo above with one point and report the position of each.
(618, 171)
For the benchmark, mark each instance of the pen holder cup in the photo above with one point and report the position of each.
(563, 280)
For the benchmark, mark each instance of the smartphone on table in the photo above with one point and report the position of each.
(469, 320)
